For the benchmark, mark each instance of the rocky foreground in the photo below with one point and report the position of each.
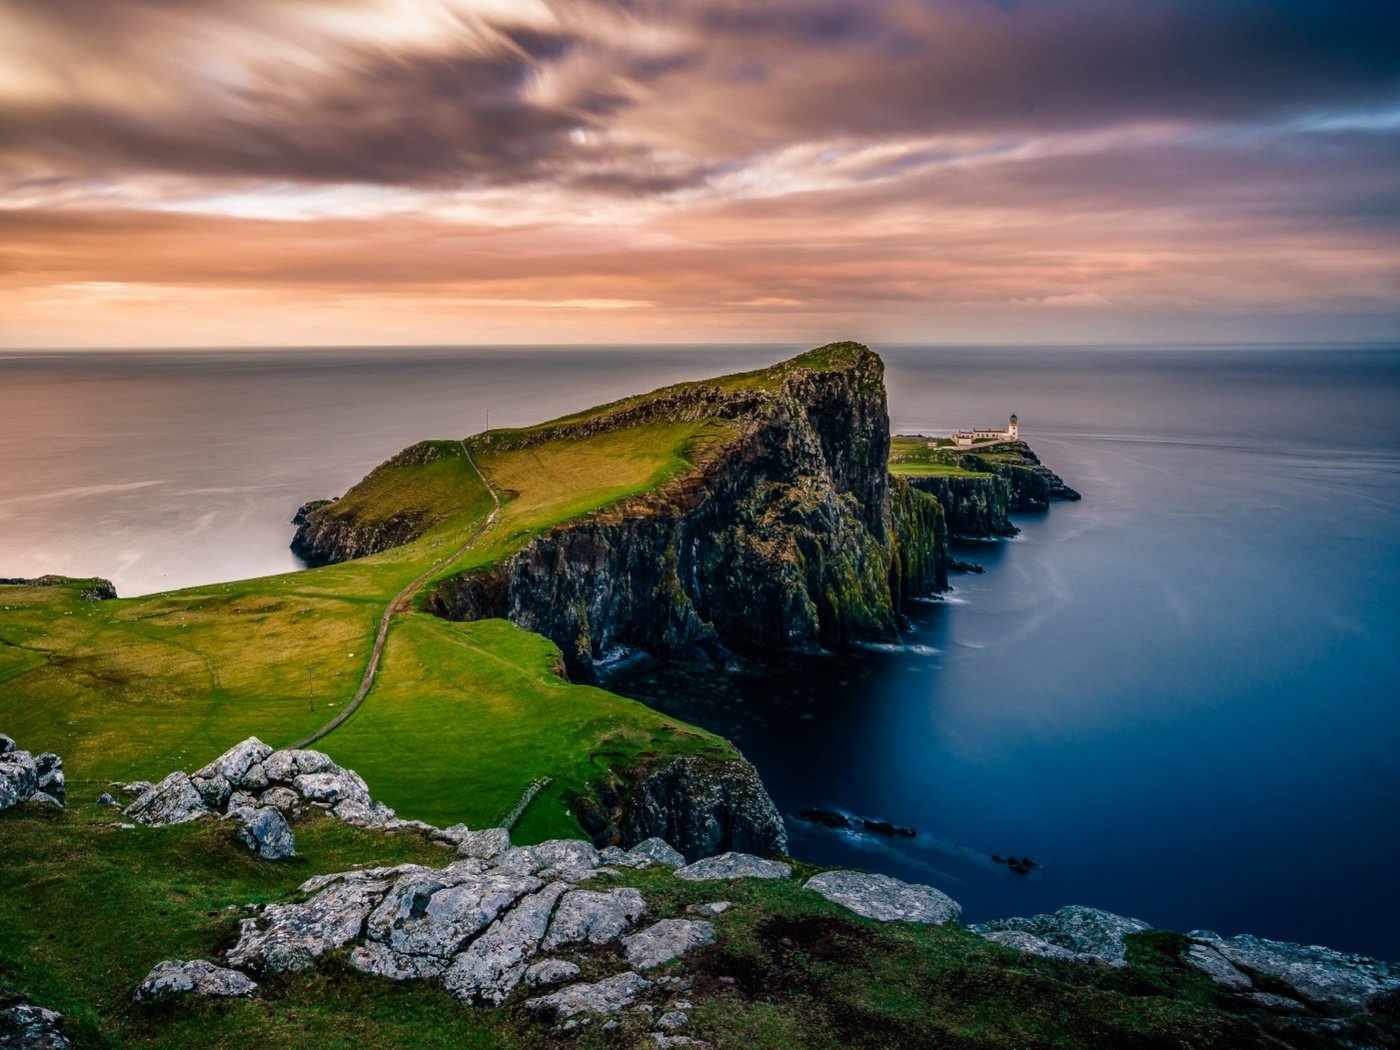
(550, 922)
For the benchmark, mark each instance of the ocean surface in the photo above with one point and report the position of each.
(1180, 697)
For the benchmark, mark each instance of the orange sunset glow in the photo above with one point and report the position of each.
(281, 172)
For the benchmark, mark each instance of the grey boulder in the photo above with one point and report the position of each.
(19, 777)
(1077, 929)
(234, 764)
(594, 916)
(266, 833)
(658, 851)
(7, 744)
(883, 898)
(175, 977)
(711, 910)
(24, 1026)
(666, 940)
(734, 866)
(1338, 982)
(495, 962)
(607, 996)
(291, 937)
(436, 913)
(175, 800)
(51, 780)
(332, 787)
(1219, 969)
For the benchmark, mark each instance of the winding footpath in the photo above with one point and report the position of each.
(399, 603)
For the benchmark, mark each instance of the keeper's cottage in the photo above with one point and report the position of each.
(967, 438)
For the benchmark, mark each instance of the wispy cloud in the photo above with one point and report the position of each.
(693, 168)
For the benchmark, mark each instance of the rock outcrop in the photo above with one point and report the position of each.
(973, 507)
(1079, 931)
(788, 536)
(697, 805)
(196, 977)
(24, 1026)
(883, 898)
(1030, 484)
(262, 790)
(734, 866)
(26, 777)
(1331, 981)
(336, 530)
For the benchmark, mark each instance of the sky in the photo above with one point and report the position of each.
(325, 172)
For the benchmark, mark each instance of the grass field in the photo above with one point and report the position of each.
(912, 457)
(462, 717)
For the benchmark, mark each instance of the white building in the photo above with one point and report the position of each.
(967, 438)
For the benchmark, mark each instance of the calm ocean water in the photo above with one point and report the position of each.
(1180, 696)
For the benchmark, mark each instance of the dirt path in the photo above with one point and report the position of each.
(400, 603)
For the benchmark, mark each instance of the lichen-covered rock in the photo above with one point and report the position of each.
(436, 913)
(19, 777)
(658, 851)
(52, 782)
(288, 764)
(24, 1026)
(486, 843)
(607, 996)
(1081, 930)
(594, 916)
(734, 866)
(1215, 966)
(1338, 982)
(332, 787)
(881, 897)
(197, 977)
(175, 800)
(380, 960)
(666, 940)
(616, 856)
(213, 789)
(360, 815)
(235, 763)
(283, 799)
(266, 833)
(549, 972)
(495, 962)
(290, 937)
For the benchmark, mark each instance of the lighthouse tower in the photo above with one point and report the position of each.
(1011, 428)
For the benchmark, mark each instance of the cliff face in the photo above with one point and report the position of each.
(1032, 485)
(335, 530)
(701, 806)
(973, 507)
(789, 537)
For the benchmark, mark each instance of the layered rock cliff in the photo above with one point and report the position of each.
(701, 806)
(340, 529)
(1031, 484)
(974, 507)
(788, 537)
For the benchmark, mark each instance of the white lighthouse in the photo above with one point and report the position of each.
(1011, 428)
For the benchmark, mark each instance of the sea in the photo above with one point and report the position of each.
(1179, 697)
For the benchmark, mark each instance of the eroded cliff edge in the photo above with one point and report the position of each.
(791, 535)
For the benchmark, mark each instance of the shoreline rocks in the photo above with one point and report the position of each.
(883, 898)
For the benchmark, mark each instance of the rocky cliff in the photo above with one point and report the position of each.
(353, 526)
(787, 537)
(701, 806)
(1031, 484)
(974, 507)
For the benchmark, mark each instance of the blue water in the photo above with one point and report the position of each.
(1180, 696)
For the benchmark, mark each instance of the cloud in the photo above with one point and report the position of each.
(789, 162)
